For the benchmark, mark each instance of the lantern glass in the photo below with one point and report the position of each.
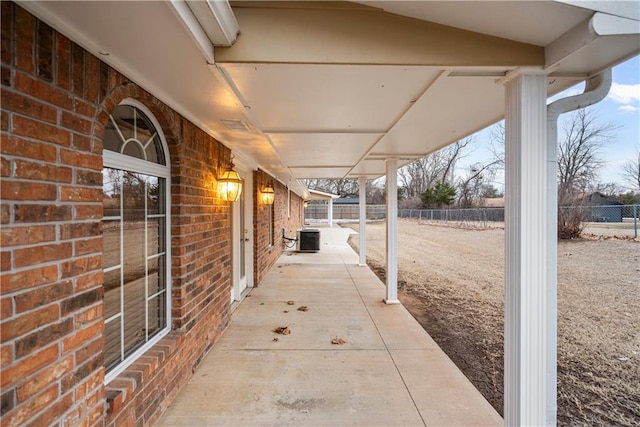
(229, 186)
(268, 195)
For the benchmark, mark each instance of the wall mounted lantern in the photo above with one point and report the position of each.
(229, 184)
(268, 194)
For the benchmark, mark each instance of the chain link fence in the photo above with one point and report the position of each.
(606, 221)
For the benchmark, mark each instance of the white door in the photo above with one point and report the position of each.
(242, 239)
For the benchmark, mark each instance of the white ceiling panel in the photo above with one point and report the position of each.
(319, 173)
(452, 108)
(322, 149)
(297, 97)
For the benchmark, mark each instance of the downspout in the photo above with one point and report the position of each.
(596, 88)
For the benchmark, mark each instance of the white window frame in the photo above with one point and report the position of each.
(111, 159)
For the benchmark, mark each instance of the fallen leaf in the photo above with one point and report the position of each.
(303, 308)
(282, 330)
(286, 311)
(338, 341)
(276, 339)
(291, 302)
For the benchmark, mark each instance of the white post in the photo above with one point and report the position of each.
(330, 213)
(362, 184)
(527, 217)
(392, 231)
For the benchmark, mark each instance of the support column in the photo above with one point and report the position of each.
(527, 234)
(362, 185)
(330, 213)
(392, 231)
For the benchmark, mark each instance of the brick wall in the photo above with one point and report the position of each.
(267, 255)
(55, 103)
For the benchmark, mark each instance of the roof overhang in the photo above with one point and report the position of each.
(332, 89)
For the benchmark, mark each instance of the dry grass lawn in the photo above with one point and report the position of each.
(451, 280)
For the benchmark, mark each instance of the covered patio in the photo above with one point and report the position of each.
(388, 372)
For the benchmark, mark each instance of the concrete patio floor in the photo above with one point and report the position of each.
(388, 372)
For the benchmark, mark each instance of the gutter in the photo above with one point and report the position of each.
(596, 88)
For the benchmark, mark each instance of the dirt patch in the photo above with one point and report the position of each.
(451, 280)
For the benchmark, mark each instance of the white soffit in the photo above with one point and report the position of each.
(322, 149)
(451, 109)
(535, 22)
(331, 98)
(319, 173)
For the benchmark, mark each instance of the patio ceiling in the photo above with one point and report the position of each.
(331, 89)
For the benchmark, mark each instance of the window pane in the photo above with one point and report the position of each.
(155, 234)
(131, 132)
(111, 293)
(134, 318)
(157, 313)
(133, 189)
(155, 195)
(157, 275)
(133, 149)
(111, 185)
(112, 343)
(111, 243)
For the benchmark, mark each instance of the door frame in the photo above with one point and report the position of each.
(237, 291)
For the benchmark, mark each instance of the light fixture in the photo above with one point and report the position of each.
(268, 194)
(229, 184)
(306, 204)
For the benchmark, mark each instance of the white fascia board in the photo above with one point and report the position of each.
(585, 33)
(193, 27)
(623, 8)
(217, 20)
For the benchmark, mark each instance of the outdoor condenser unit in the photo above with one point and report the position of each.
(308, 240)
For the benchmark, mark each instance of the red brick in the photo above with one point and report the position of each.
(27, 322)
(92, 77)
(75, 123)
(90, 349)
(87, 246)
(6, 354)
(43, 337)
(90, 315)
(38, 130)
(85, 109)
(5, 261)
(42, 213)
(42, 171)
(80, 194)
(29, 235)
(53, 412)
(20, 104)
(4, 121)
(24, 41)
(5, 214)
(28, 278)
(5, 80)
(6, 308)
(82, 337)
(41, 296)
(39, 254)
(83, 265)
(31, 407)
(82, 143)
(5, 168)
(80, 301)
(87, 211)
(17, 146)
(6, 26)
(19, 190)
(45, 92)
(77, 158)
(63, 46)
(88, 177)
(80, 230)
(18, 371)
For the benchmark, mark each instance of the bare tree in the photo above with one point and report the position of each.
(631, 172)
(579, 152)
(472, 184)
(497, 138)
(431, 169)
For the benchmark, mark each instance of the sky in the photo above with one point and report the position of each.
(621, 108)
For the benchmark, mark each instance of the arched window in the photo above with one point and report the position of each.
(136, 255)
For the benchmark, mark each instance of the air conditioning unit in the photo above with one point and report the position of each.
(308, 240)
